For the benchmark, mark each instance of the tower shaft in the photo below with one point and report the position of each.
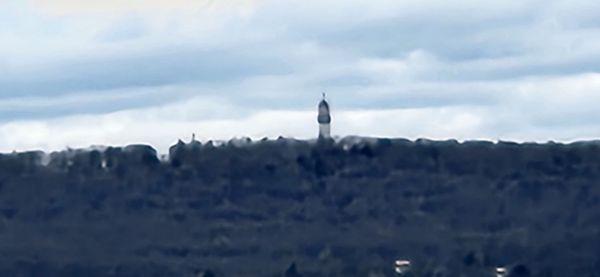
(324, 131)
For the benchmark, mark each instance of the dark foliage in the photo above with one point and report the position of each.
(297, 208)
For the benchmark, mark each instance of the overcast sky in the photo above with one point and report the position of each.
(114, 72)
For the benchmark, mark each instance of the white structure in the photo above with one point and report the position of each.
(500, 271)
(324, 119)
(402, 266)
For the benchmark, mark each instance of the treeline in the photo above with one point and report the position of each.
(302, 208)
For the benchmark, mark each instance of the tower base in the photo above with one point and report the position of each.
(324, 131)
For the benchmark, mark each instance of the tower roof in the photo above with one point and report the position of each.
(324, 117)
(324, 103)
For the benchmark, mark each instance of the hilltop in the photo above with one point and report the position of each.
(299, 208)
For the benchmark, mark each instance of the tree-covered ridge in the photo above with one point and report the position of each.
(299, 208)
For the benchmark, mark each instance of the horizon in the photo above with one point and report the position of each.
(352, 140)
(117, 72)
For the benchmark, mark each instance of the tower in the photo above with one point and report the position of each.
(324, 119)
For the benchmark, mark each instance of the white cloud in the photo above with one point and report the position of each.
(122, 71)
(217, 118)
(75, 7)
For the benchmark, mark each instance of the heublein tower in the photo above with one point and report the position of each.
(324, 119)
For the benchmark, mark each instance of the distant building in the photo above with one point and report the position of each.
(324, 119)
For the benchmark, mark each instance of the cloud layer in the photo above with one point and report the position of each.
(119, 72)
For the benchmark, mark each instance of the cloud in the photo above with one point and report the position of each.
(74, 7)
(561, 118)
(90, 102)
(122, 71)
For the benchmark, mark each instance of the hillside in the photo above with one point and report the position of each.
(297, 208)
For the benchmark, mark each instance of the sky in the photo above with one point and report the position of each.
(116, 72)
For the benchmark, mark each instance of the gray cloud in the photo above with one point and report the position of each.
(506, 66)
(159, 68)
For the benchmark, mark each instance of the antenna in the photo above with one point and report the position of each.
(324, 95)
